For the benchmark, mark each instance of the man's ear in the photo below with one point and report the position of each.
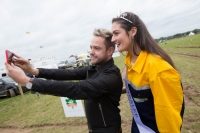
(110, 51)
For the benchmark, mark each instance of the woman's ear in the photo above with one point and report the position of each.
(133, 31)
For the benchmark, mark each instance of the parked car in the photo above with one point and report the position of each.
(9, 88)
(69, 62)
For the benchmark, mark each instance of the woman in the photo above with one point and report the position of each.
(153, 85)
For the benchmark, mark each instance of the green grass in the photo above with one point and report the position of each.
(45, 114)
(189, 69)
(34, 112)
(183, 42)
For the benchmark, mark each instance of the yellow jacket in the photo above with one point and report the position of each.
(165, 84)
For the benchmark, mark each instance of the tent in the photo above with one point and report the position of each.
(191, 34)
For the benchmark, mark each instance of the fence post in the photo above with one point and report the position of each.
(21, 93)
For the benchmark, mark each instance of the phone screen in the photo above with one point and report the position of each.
(9, 56)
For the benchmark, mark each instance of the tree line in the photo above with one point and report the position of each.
(178, 35)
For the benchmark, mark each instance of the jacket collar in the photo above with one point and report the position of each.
(104, 66)
(138, 65)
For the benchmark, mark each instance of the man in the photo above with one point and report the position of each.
(101, 84)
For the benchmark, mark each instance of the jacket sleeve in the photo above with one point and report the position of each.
(168, 101)
(106, 82)
(62, 74)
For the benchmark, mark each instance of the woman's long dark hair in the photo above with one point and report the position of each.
(142, 38)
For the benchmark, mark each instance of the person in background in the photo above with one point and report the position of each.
(80, 64)
(152, 83)
(100, 88)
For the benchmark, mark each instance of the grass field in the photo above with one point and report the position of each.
(45, 114)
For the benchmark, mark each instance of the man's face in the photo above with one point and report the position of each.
(98, 51)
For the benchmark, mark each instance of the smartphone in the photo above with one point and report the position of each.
(9, 56)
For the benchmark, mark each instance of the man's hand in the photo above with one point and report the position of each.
(123, 90)
(16, 74)
(22, 63)
(25, 65)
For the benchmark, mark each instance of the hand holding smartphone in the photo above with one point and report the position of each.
(9, 56)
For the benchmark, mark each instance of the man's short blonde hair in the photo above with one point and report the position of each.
(105, 34)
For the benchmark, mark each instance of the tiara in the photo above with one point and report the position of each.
(123, 15)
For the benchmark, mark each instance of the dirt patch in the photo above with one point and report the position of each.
(126, 128)
(188, 47)
(15, 130)
(186, 54)
(190, 93)
(67, 128)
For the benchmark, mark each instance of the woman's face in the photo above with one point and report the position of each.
(120, 38)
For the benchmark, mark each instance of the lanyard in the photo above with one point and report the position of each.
(141, 127)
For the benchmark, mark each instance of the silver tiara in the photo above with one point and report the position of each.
(123, 15)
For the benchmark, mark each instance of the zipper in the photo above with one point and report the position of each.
(102, 114)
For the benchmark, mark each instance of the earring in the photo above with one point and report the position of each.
(132, 37)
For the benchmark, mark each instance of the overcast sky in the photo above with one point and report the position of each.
(64, 27)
